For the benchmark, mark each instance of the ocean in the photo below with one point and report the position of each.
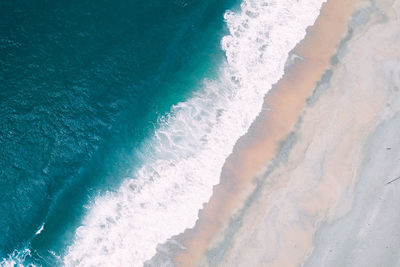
(117, 117)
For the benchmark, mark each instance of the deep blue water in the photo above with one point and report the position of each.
(82, 83)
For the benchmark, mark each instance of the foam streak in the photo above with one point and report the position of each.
(184, 158)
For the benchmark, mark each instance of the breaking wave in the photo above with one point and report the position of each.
(183, 159)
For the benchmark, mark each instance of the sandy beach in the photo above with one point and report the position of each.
(310, 184)
(209, 133)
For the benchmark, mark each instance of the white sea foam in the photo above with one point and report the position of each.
(40, 229)
(16, 259)
(184, 158)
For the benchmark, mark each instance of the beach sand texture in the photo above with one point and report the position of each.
(308, 184)
(254, 151)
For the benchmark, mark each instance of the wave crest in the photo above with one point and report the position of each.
(184, 157)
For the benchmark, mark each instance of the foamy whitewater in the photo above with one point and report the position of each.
(184, 158)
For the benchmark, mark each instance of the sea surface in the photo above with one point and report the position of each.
(117, 116)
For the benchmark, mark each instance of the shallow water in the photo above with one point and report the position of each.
(118, 117)
(82, 84)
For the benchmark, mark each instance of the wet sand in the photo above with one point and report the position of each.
(258, 148)
(308, 184)
(307, 208)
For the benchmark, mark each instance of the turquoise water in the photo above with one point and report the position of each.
(82, 84)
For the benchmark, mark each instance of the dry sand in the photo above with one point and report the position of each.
(308, 184)
(305, 207)
(254, 151)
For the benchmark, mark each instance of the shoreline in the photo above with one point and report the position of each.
(324, 199)
(273, 125)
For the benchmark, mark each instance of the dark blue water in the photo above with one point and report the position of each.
(82, 83)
